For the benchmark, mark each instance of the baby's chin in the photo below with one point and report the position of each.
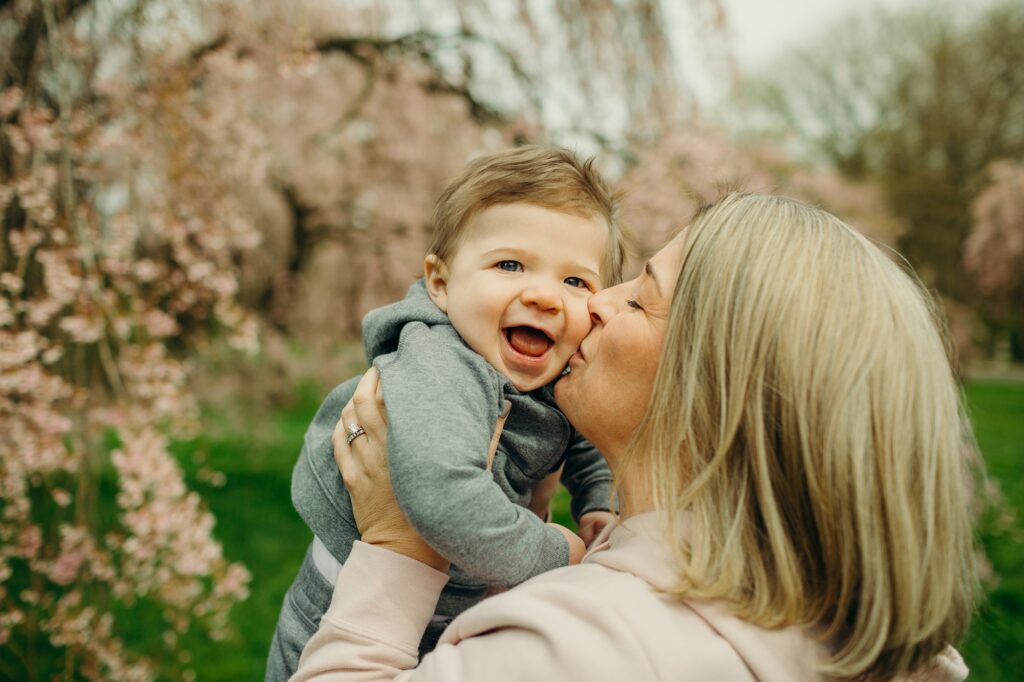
(538, 382)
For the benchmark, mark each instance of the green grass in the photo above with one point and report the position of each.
(995, 645)
(257, 526)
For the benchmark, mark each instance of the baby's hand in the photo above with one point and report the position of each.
(576, 547)
(592, 523)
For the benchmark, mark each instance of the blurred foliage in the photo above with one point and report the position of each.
(919, 101)
(994, 251)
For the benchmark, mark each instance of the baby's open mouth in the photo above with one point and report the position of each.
(528, 340)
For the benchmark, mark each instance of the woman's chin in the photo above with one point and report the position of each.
(563, 384)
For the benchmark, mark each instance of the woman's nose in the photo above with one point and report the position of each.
(542, 298)
(607, 303)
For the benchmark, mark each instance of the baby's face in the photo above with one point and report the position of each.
(517, 288)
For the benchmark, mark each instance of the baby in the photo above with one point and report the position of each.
(467, 360)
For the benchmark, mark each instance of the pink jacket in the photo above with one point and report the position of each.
(601, 620)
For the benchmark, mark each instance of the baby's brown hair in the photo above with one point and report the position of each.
(550, 177)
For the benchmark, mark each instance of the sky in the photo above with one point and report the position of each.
(763, 28)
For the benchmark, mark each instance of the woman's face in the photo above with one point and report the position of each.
(609, 387)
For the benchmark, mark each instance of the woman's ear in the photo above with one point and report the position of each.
(435, 274)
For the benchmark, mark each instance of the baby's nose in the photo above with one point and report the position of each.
(542, 298)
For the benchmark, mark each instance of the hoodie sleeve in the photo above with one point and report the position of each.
(587, 477)
(443, 402)
(318, 492)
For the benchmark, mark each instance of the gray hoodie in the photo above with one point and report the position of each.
(443, 402)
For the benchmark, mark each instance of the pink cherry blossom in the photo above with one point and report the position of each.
(994, 250)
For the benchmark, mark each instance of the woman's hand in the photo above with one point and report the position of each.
(364, 468)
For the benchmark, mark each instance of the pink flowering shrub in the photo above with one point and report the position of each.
(686, 167)
(122, 230)
(994, 250)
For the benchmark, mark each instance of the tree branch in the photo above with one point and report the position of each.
(26, 42)
(425, 46)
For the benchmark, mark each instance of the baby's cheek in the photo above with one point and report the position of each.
(578, 324)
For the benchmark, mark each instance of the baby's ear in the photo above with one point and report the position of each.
(435, 274)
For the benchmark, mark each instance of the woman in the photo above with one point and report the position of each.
(775, 401)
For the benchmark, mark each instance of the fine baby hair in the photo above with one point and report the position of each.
(550, 177)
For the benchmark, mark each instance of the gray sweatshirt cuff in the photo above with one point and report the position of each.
(596, 497)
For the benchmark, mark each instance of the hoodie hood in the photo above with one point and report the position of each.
(383, 326)
(637, 546)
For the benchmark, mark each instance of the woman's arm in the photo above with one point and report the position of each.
(382, 603)
(383, 600)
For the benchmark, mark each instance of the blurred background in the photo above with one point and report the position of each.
(201, 198)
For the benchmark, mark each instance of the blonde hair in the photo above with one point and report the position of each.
(806, 416)
(550, 177)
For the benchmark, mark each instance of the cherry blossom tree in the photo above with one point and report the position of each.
(672, 176)
(120, 235)
(994, 250)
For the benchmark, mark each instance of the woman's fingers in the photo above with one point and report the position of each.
(363, 459)
(349, 465)
(368, 412)
(368, 401)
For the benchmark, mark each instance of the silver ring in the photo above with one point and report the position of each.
(354, 430)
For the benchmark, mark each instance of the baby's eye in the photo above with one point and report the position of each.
(510, 266)
(631, 302)
(577, 282)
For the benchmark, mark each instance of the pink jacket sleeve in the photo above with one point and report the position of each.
(381, 606)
